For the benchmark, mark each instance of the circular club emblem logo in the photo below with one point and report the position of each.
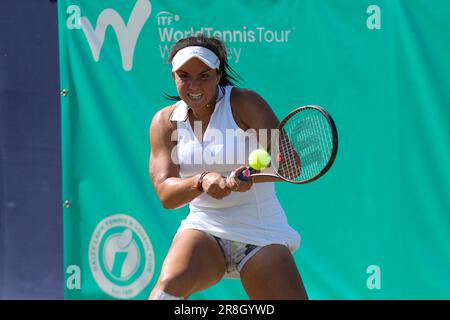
(121, 256)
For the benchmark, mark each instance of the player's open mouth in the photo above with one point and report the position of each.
(195, 96)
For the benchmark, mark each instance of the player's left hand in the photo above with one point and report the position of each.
(236, 184)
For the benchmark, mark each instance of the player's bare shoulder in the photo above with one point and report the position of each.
(246, 104)
(248, 100)
(161, 119)
(161, 128)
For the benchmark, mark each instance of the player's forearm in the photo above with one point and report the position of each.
(259, 179)
(176, 192)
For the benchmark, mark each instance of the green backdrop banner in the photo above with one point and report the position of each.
(376, 226)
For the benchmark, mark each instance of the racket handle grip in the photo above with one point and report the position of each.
(246, 173)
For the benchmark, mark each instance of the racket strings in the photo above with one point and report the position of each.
(305, 145)
(289, 163)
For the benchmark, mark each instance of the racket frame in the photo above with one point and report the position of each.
(333, 150)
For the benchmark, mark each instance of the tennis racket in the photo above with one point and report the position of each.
(304, 148)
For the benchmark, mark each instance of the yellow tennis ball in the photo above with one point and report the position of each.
(259, 159)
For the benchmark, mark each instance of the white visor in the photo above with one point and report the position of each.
(203, 54)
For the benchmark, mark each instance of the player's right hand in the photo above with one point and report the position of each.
(215, 185)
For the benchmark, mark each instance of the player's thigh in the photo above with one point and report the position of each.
(272, 274)
(194, 261)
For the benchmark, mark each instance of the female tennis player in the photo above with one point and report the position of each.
(235, 229)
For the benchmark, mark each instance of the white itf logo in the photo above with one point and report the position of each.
(121, 256)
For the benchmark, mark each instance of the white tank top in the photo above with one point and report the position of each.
(254, 217)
